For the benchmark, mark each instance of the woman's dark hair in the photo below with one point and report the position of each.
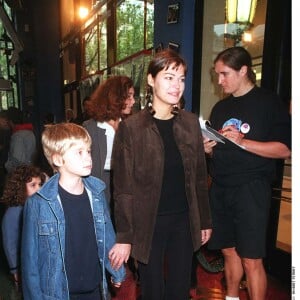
(235, 58)
(14, 192)
(162, 61)
(108, 100)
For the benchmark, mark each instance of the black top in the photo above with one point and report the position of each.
(173, 195)
(260, 116)
(81, 255)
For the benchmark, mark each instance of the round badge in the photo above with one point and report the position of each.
(245, 128)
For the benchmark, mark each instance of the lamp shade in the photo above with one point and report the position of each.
(240, 11)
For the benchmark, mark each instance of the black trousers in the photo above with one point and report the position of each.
(168, 272)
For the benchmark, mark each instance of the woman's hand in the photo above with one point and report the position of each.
(119, 254)
(205, 235)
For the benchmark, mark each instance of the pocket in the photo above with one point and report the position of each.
(48, 228)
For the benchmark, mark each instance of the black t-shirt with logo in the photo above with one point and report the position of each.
(260, 116)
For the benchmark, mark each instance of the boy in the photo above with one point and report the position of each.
(67, 230)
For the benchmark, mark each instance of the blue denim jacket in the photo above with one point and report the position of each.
(43, 241)
(11, 235)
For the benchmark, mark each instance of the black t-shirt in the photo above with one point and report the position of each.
(173, 196)
(81, 255)
(260, 116)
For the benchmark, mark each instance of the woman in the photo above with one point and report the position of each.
(21, 183)
(110, 102)
(160, 185)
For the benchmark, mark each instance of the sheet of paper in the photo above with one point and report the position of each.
(213, 134)
(209, 132)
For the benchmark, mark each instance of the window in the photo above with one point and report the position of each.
(126, 26)
(8, 87)
(95, 43)
(134, 28)
(116, 38)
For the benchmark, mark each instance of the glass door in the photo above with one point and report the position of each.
(284, 236)
(218, 34)
(266, 38)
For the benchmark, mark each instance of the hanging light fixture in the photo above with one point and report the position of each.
(240, 11)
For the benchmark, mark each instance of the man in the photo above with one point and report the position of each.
(255, 120)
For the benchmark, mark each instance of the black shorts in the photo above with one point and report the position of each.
(240, 217)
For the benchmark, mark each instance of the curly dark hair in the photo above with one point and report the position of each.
(108, 100)
(14, 192)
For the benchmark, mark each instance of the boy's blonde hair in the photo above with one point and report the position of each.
(58, 138)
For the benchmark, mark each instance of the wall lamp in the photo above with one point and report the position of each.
(241, 13)
(83, 12)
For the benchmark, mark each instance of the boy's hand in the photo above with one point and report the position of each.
(119, 254)
(116, 284)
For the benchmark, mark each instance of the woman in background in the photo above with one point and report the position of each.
(108, 105)
(23, 182)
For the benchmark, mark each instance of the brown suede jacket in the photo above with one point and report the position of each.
(138, 160)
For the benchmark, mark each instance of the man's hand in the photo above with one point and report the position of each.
(233, 134)
(208, 146)
(119, 254)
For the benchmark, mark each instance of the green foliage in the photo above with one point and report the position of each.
(7, 98)
(134, 32)
(130, 28)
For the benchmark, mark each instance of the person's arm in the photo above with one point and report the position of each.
(114, 264)
(29, 254)
(202, 189)
(11, 232)
(267, 149)
(208, 146)
(270, 149)
(123, 199)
